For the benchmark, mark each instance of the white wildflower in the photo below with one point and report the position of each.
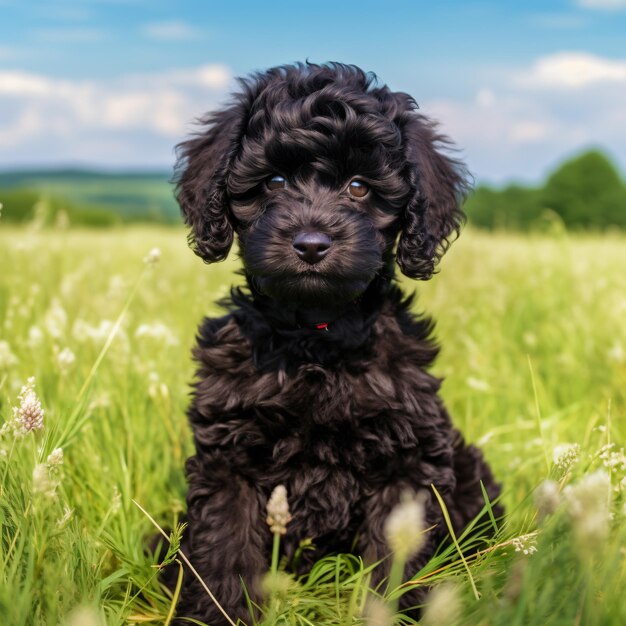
(156, 388)
(524, 544)
(588, 506)
(530, 339)
(158, 332)
(565, 456)
(7, 358)
(377, 613)
(477, 384)
(547, 498)
(35, 337)
(43, 482)
(443, 606)
(28, 416)
(278, 511)
(82, 332)
(55, 319)
(153, 257)
(65, 359)
(118, 287)
(55, 458)
(404, 526)
(612, 459)
(85, 616)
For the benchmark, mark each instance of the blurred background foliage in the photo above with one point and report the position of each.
(584, 192)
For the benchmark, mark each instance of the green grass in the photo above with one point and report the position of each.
(533, 337)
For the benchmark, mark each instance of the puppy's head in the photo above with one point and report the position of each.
(322, 174)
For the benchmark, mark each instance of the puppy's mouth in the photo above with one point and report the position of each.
(311, 288)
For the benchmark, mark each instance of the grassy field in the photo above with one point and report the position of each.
(533, 331)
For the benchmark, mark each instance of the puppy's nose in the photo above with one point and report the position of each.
(311, 246)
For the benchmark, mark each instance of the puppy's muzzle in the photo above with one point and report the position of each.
(311, 247)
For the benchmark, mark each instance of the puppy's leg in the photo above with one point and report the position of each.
(374, 547)
(227, 542)
(467, 500)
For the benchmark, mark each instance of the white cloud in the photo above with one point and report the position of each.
(526, 120)
(572, 70)
(174, 30)
(118, 121)
(610, 5)
(23, 84)
(517, 122)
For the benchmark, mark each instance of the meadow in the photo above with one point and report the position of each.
(533, 336)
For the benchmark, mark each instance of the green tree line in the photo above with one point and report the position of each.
(585, 192)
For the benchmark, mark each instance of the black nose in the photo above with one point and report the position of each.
(311, 247)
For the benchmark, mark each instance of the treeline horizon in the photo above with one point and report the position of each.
(585, 192)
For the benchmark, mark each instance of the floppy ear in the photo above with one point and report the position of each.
(433, 214)
(202, 166)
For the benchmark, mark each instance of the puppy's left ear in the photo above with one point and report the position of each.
(201, 172)
(433, 215)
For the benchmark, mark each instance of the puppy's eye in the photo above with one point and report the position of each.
(358, 188)
(276, 182)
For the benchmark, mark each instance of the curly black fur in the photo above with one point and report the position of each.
(316, 378)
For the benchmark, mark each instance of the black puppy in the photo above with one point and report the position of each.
(316, 378)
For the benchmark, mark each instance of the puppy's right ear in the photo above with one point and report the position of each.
(201, 170)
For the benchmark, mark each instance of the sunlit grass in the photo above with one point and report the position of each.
(533, 335)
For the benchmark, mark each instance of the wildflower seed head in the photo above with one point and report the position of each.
(404, 526)
(158, 332)
(55, 319)
(65, 359)
(276, 584)
(28, 416)
(547, 498)
(152, 257)
(35, 337)
(278, 511)
(55, 458)
(443, 606)
(85, 616)
(588, 507)
(613, 459)
(524, 544)
(565, 456)
(7, 358)
(43, 483)
(377, 613)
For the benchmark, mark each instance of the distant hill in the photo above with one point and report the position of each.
(89, 196)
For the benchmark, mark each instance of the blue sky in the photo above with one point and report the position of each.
(115, 83)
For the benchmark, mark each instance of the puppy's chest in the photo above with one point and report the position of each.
(319, 422)
(342, 417)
